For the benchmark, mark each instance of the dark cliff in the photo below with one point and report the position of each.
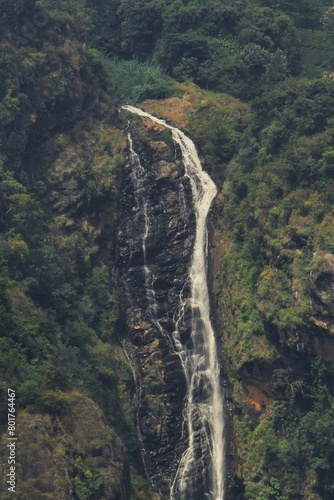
(149, 304)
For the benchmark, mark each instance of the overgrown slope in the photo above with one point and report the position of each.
(62, 157)
(61, 168)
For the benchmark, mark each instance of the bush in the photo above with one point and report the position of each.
(132, 81)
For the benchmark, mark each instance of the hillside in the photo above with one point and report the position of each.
(251, 84)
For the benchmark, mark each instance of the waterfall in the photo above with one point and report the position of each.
(203, 462)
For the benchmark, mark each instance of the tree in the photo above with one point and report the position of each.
(327, 22)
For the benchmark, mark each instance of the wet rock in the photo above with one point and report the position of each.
(150, 286)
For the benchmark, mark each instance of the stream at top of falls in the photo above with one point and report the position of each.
(204, 457)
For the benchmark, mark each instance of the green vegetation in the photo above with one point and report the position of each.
(288, 452)
(65, 67)
(132, 81)
(60, 172)
(277, 211)
(235, 47)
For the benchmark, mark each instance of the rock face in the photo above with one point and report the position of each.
(155, 241)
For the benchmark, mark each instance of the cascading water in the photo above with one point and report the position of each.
(139, 181)
(201, 470)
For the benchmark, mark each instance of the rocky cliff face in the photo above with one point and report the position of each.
(155, 240)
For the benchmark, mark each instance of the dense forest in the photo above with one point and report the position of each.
(251, 82)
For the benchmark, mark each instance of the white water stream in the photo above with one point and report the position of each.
(138, 175)
(204, 459)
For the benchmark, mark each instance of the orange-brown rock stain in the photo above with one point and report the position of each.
(257, 398)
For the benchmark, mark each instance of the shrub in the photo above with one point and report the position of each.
(132, 81)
